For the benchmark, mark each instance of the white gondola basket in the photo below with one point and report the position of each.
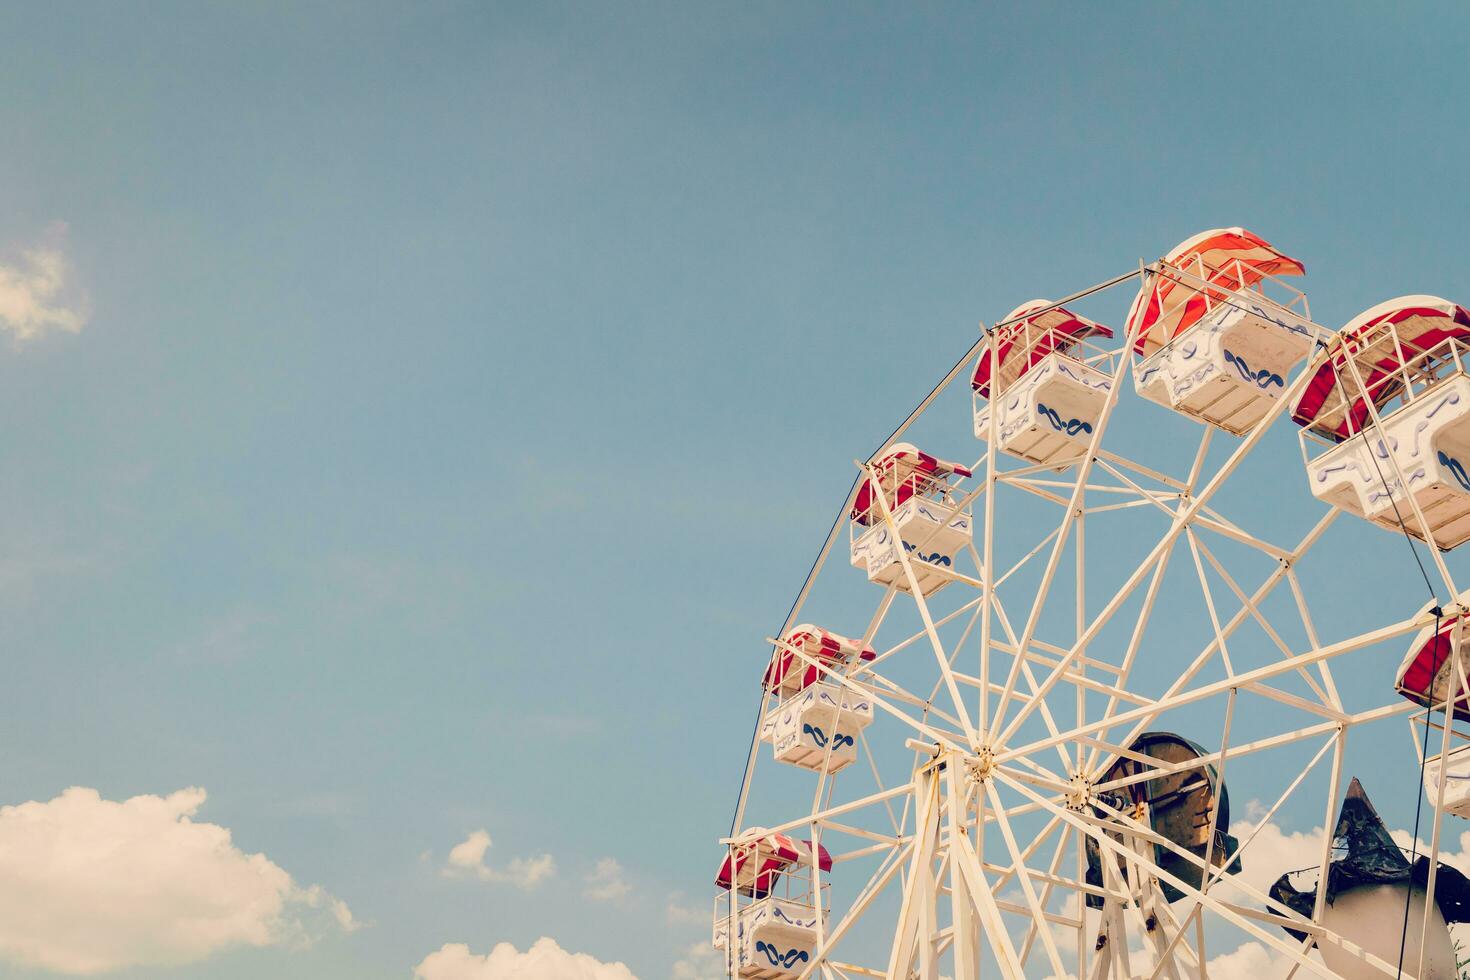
(818, 727)
(1049, 414)
(932, 533)
(1231, 367)
(1454, 771)
(1426, 446)
(775, 937)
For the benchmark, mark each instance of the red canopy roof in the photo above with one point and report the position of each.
(1427, 675)
(785, 671)
(1022, 341)
(1379, 340)
(903, 472)
(1227, 259)
(759, 863)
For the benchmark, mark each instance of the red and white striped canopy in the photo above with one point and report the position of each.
(788, 674)
(1427, 675)
(1022, 341)
(759, 863)
(1226, 259)
(1379, 340)
(903, 472)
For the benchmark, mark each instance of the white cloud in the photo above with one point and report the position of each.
(1249, 961)
(93, 885)
(606, 883)
(467, 859)
(700, 962)
(33, 293)
(1458, 859)
(1273, 853)
(545, 960)
(676, 913)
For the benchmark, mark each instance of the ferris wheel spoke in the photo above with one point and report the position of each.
(1038, 912)
(975, 607)
(1069, 659)
(1049, 884)
(1005, 873)
(881, 686)
(996, 583)
(871, 667)
(1271, 811)
(1069, 517)
(1143, 717)
(1249, 748)
(1210, 647)
(1165, 501)
(878, 781)
(1140, 470)
(1254, 609)
(1026, 671)
(1180, 521)
(1206, 517)
(1204, 584)
(1271, 582)
(880, 881)
(940, 657)
(1324, 670)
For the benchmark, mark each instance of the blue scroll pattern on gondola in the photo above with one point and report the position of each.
(1264, 378)
(935, 559)
(1071, 427)
(820, 737)
(1456, 468)
(778, 958)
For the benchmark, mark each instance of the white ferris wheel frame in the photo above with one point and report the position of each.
(952, 805)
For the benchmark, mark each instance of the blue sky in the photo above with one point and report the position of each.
(465, 388)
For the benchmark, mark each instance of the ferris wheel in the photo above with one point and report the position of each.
(1014, 759)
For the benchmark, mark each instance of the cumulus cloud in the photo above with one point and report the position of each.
(467, 860)
(700, 962)
(35, 294)
(1447, 854)
(606, 882)
(1249, 961)
(93, 885)
(1273, 853)
(545, 960)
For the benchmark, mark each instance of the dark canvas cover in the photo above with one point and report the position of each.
(1365, 854)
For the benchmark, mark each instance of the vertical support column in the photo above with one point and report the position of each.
(962, 855)
(963, 920)
(914, 919)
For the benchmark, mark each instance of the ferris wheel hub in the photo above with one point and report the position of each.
(981, 765)
(1079, 791)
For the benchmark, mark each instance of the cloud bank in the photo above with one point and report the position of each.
(545, 960)
(93, 885)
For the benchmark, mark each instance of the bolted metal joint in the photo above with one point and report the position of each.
(1079, 792)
